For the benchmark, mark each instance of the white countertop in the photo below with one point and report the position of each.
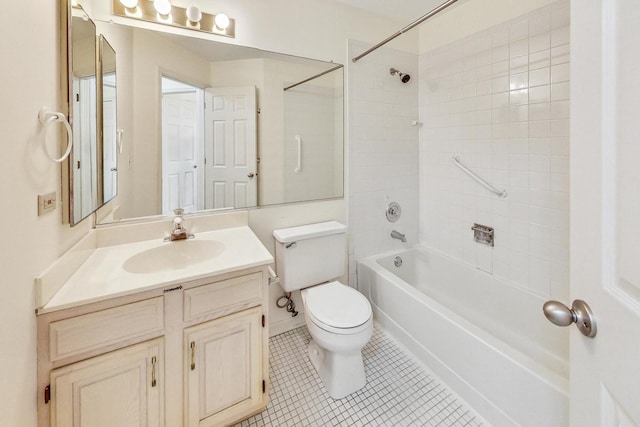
(102, 275)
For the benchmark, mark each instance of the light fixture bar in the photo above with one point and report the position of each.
(145, 11)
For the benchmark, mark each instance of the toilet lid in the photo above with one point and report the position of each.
(337, 305)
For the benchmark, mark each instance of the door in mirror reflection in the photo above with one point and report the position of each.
(182, 146)
(209, 147)
(83, 162)
(109, 121)
(230, 146)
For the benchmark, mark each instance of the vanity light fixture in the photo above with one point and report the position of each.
(163, 7)
(194, 14)
(162, 12)
(222, 21)
(129, 4)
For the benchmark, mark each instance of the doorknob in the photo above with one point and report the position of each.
(579, 313)
(251, 174)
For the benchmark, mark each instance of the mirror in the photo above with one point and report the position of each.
(84, 188)
(109, 120)
(208, 125)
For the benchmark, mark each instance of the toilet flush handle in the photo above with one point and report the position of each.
(290, 245)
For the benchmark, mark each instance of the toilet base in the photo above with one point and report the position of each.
(341, 373)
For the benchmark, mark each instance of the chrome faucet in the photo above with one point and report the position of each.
(397, 235)
(178, 232)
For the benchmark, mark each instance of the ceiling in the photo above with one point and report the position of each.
(403, 11)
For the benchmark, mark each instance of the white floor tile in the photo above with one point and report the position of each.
(398, 391)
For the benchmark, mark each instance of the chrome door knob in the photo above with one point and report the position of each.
(579, 313)
(251, 175)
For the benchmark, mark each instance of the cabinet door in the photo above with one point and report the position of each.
(119, 389)
(223, 361)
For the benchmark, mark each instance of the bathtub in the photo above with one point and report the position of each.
(485, 338)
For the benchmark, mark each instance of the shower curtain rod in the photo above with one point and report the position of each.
(418, 21)
(314, 77)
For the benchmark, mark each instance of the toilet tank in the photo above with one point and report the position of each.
(310, 254)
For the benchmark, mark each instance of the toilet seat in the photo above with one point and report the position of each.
(337, 308)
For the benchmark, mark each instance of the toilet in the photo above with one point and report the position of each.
(339, 318)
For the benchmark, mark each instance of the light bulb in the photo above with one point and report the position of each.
(222, 21)
(194, 14)
(163, 7)
(129, 4)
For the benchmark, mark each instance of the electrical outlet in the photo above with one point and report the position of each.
(46, 203)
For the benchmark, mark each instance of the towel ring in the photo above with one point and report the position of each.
(47, 117)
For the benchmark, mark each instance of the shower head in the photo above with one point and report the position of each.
(404, 77)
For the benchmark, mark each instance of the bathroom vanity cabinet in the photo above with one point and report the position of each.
(192, 354)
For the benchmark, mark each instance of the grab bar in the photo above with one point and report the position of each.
(479, 180)
(299, 141)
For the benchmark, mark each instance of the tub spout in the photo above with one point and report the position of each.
(397, 235)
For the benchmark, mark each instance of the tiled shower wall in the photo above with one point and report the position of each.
(383, 151)
(500, 100)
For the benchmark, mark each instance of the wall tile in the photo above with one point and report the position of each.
(514, 131)
(383, 145)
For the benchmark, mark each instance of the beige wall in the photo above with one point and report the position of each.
(30, 79)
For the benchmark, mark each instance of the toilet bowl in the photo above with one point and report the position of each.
(340, 322)
(338, 317)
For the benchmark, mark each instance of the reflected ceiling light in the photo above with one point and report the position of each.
(129, 4)
(163, 7)
(222, 21)
(194, 14)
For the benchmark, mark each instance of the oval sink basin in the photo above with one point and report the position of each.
(173, 256)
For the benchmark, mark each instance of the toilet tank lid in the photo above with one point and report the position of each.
(302, 232)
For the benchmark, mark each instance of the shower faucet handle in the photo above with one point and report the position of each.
(393, 212)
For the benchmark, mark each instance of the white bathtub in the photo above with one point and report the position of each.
(485, 338)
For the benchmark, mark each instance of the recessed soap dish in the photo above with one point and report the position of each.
(483, 234)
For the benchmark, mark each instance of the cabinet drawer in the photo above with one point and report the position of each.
(77, 335)
(223, 297)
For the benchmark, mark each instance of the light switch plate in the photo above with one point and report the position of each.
(46, 203)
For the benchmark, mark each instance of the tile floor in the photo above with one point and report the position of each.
(399, 392)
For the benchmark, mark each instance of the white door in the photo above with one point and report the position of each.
(119, 389)
(85, 194)
(605, 210)
(109, 151)
(230, 147)
(181, 151)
